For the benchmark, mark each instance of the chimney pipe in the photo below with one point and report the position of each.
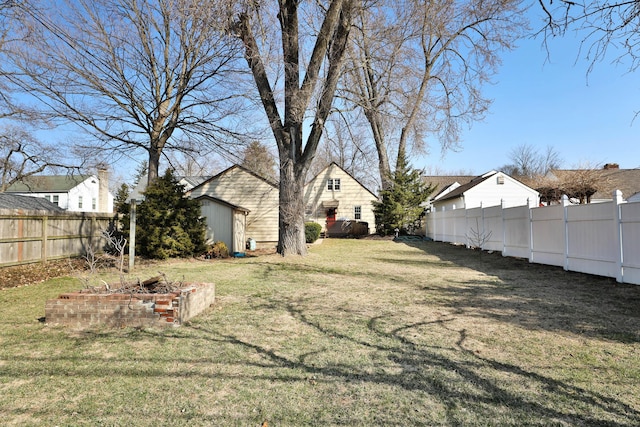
(103, 188)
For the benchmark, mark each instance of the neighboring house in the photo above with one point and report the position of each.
(238, 199)
(237, 190)
(334, 194)
(74, 193)
(597, 185)
(443, 184)
(490, 189)
(27, 203)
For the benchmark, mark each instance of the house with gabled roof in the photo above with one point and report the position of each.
(335, 195)
(73, 193)
(234, 192)
(238, 199)
(490, 189)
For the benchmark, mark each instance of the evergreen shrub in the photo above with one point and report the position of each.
(312, 231)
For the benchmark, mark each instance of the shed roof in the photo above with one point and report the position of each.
(223, 202)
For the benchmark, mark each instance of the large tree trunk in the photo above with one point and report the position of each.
(154, 164)
(295, 156)
(291, 236)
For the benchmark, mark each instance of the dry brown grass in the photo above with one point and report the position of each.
(356, 333)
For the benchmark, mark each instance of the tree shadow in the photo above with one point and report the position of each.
(453, 375)
(535, 296)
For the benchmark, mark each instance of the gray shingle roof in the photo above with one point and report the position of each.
(14, 201)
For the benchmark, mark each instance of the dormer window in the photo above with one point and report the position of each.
(333, 184)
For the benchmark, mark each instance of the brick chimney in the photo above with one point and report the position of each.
(611, 166)
(103, 188)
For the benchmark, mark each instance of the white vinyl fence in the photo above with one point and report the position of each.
(599, 238)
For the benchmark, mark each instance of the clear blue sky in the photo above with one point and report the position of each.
(544, 101)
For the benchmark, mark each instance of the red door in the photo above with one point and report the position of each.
(331, 218)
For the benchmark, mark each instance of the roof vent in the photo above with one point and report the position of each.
(500, 179)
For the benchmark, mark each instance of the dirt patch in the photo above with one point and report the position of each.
(28, 274)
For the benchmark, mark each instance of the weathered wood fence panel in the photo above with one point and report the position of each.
(38, 236)
(598, 238)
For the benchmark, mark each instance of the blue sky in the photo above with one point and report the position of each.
(541, 101)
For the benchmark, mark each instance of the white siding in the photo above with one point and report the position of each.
(350, 195)
(241, 188)
(490, 193)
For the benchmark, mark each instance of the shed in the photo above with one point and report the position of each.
(237, 186)
(225, 222)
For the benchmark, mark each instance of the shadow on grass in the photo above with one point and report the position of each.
(535, 296)
(461, 381)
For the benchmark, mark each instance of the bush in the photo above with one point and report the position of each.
(218, 250)
(169, 224)
(312, 231)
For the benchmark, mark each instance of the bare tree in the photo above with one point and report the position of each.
(308, 87)
(22, 155)
(579, 184)
(134, 74)
(528, 162)
(604, 25)
(345, 142)
(416, 68)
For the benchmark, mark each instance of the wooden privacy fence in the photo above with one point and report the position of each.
(38, 236)
(598, 238)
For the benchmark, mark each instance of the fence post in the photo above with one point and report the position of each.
(132, 235)
(45, 236)
(565, 220)
(530, 234)
(504, 228)
(482, 242)
(617, 220)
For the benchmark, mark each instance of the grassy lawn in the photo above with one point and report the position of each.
(371, 333)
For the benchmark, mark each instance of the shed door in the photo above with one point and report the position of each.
(219, 223)
(239, 226)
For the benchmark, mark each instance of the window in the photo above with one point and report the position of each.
(47, 197)
(79, 202)
(333, 184)
(93, 203)
(55, 200)
(357, 212)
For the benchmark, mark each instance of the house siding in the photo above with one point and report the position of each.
(350, 195)
(490, 193)
(241, 188)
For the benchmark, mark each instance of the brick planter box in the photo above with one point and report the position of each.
(84, 309)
